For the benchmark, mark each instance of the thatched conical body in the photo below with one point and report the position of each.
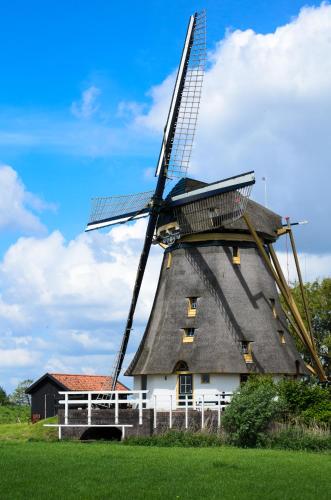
(237, 325)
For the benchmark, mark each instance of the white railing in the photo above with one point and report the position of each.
(113, 401)
(138, 400)
(203, 403)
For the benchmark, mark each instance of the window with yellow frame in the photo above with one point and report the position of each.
(235, 255)
(246, 350)
(192, 307)
(188, 336)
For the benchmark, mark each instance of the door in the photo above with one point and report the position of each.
(185, 388)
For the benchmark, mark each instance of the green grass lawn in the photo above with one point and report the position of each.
(65, 470)
(27, 431)
(11, 414)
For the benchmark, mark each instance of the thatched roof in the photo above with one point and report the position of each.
(233, 306)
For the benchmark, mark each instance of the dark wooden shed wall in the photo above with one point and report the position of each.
(49, 390)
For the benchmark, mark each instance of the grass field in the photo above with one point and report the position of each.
(72, 470)
(27, 431)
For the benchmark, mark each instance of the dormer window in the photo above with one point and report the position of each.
(192, 307)
(235, 256)
(189, 334)
(246, 350)
(273, 308)
(281, 337)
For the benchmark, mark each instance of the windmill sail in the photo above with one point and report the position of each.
(183, 114)
(183, 98)
(112, 210)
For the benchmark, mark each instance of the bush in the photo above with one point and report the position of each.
(310, 401)
(178, 438)
(299, 438)
(251, 411)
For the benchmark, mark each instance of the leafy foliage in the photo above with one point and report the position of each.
(298, 438)
(178, 438)
(310, 401)
(318, 295)
(19, 397)
(3, 397)
(251, 411)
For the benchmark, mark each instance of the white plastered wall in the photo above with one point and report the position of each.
(165, 385)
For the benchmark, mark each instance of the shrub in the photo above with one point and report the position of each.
(178, 438)
(299, 438)
(251, 411)
(310, 401)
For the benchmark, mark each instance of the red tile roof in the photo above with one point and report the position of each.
(87, 382)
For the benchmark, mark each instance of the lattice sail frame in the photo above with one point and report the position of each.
(115, 209)
(213, 212)
(182, 118)
(178, 162)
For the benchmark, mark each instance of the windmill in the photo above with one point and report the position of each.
(191, 208)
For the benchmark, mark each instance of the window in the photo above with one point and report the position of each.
(246, 350)
(205, 378)
(190, 332)
(235, 255)
(273, 307)
(188, 335)
(192, 307)
(281, 337)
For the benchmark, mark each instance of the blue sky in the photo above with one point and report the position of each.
(55, 50)
(83, 93)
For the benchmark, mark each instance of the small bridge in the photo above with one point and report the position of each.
(133, 411)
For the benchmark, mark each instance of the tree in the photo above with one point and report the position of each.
(318, 295)
(19, 397)
(3, 397)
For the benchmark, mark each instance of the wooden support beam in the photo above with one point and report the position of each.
(303, 293)
(285, 291)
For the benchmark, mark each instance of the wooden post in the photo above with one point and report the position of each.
(89, 408)
(186, 411)
(140, 404)
(154, 420)
(66, 412)
(203, 412)
(60, 433)
(116, 407)
(219, 411)
(170, 413)
(303, 293)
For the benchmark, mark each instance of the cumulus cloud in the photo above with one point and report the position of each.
(69, 299)
(17, 205)
(88, 105)
(266, 106)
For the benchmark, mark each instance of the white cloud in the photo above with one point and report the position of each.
(67, 302)
(266, 106)
(18, 357)
(313, 266)
(17, 204)
(156, 116)
(87, 106)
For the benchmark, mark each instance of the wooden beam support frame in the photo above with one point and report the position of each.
(286, 293)
(303, 293)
